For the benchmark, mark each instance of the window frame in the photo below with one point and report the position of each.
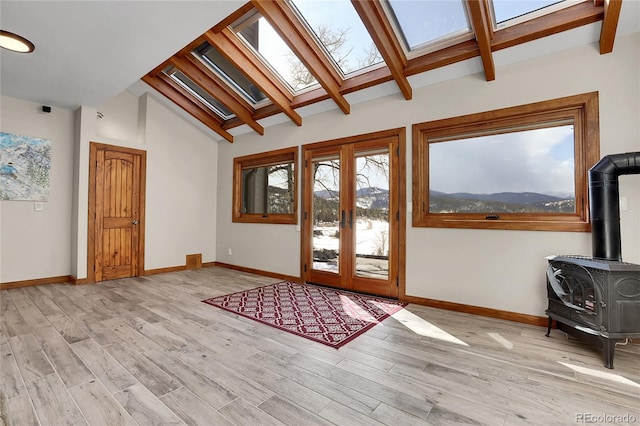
(428, 46)
(583, 109)
(528, 16)
(234, 85)
(280, 156)
(239, 25)
(171, 71)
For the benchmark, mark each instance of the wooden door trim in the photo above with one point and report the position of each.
(400, 133)
(94, 147)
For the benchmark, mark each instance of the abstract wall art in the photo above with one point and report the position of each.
(25, 163)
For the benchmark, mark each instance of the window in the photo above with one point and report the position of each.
(265, 188)
(198, 92)
(523, 167)
(248, 54)
(258, 33)
(506, 13)
(428, 26)
(341, 32)
(237, 80)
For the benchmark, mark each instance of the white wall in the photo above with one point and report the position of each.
(267, 247)
(495, 269)
(37, 244)
(180, 215)
(181, 186)
(181, 189)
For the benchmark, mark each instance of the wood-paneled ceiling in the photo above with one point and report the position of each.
(222, 81)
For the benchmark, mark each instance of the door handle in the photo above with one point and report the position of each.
(342, 219)
(135, 222)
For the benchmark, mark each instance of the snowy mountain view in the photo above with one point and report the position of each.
(371, 223)
(501, 202)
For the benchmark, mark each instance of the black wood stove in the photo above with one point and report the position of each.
(599, 296)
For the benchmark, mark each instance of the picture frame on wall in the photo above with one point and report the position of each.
(25, 165)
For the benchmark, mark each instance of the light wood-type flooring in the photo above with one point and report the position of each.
(147, 351)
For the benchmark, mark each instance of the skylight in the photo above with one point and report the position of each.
(243, 70)
(198, 92)
(341, 32)
(509, 12)
(425, 24)
(225, 69)
(265, 41)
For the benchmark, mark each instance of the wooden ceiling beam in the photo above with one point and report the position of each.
(377, 24)
(236, 52)
(293, 32)
(243, 10)
(191, 106)
(243, 57)
(609, 25)
(213, 85)
(482, 28)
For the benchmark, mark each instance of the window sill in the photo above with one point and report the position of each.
(506, 224)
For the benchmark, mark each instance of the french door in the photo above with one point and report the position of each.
(351, 214)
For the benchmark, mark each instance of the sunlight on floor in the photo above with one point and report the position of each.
(424, 328)
(352, 309)
(498, 338)
(601, 374)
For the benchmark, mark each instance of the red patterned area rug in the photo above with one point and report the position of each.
(328, 316)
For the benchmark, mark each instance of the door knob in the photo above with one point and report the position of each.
(134, 221)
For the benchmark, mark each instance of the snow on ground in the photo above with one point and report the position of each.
(372, 238)
(371, 235)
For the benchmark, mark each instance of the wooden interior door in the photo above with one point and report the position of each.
(118, 212)
(351, 215)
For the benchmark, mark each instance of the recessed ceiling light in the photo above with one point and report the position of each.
(15, 43)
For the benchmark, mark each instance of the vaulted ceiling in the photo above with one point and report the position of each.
(89, 51)
(225, 78)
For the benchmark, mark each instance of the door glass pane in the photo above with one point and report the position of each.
(371, 216)
(326, 214)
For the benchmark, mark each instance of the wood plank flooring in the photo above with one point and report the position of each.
(147, 351)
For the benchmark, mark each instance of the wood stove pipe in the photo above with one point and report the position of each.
(604, 203)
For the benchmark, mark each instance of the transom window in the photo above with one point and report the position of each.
(518, 168)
